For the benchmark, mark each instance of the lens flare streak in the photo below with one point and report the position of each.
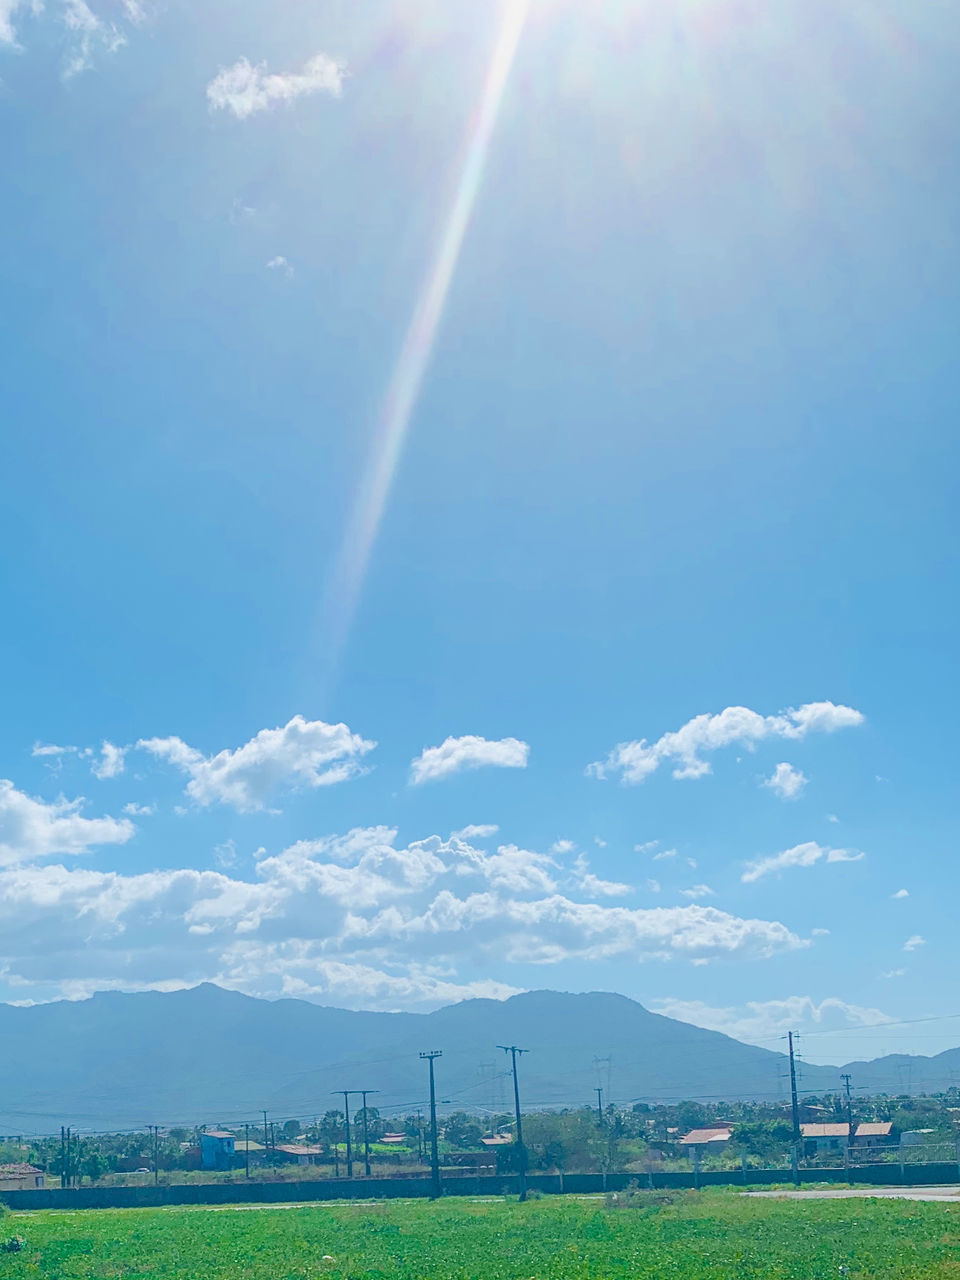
(414, 358)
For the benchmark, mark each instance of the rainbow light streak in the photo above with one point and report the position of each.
(404, 389)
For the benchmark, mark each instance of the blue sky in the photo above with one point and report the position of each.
(542, 378)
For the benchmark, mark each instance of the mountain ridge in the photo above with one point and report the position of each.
(207, 1054)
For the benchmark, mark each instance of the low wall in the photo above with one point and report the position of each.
(253, 1192)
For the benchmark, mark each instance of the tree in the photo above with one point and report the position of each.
(462, 1130)
(291, 1129)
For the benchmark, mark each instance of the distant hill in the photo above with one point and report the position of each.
(208, 1056)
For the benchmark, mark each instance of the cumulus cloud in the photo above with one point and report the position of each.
(901, 893)
(478, 831)
(771, 1019)
(592, 885)
(308, 753)
(31, 828)
(893, 973)
(470, 752)
(246, 88)
(354, 916)
(111, 761)
(562, 846)
(686, 747)
(911, 944)
(664, 854)
(139, 810)
(801, 855)
(280, 263)
(786, 781)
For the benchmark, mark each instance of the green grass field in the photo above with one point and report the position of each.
(714, 1235)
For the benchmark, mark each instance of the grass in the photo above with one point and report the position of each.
(715, 1235)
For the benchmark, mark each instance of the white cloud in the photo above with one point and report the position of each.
(894, 973)
(664, 854)
(111, 762)
(911, 944)
(767, 1020)
(832, 817)
(901, 893)
(478, 831)
(801, 855)
(43, 749)
(279, 263)
(819, 933)
(30, 828)
(635, 761)
(593, 886)
(654, 886)
(7, 9)
(333, 914)
(89, 34)
(648, 847)
(696, 892)
(786, 781)
(246, 88)
(562, 846)
(469, 752)
(139, 810)
(601, 844)
(306, 753)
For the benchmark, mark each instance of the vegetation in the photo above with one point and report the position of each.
(634, 1140)
(683, 1236)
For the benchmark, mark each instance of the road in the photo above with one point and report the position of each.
(948, 1194)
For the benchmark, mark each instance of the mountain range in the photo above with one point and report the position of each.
(207, 1055)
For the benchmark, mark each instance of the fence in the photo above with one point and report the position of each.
(888, 1173)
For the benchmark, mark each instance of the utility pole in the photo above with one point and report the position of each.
(521, 1149)
(266, 1136)
(431, 1057)
(155, 1130)
(63, 1157)
(246, 1161)
(795, 1107)
(599, 1093)
(846, 1080)
(366, 1140)
(346, 1109)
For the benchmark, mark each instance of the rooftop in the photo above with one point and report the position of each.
(217, 1133)
(698, 1137)
(882, 1129)
(18, 1170)
(825, 1130)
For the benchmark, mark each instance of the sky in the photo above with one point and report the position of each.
(479, 506)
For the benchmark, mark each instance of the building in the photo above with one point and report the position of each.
(393, 1139)
(699, 1142)
(824, 1137)
(879, 1134)
(218, 1149)
(498, 1140)
(20, 1177)
(299, 1153)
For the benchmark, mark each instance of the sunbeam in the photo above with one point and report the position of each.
(414, 358)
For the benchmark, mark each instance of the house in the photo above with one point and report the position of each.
(699, 1142)
(879, 1134)
(916, 1137)
(20, 1177)
(824, 1137)
(498, 1140)
(393, 1139)
(217, 1149)
(299, 1153)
